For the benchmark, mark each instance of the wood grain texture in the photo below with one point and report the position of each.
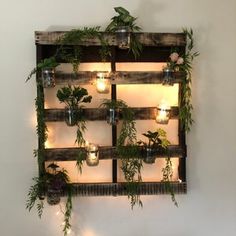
(93, 114)
(105, 153)
(147, 39)
(120, 77)
(119, 189)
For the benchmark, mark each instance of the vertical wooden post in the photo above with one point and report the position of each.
(40, 127)
(114, 127)
(182, 140)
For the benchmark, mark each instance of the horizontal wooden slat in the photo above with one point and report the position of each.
(147, 39)
(92, 114)
(120, 77)
(119, 189)
(105, 152)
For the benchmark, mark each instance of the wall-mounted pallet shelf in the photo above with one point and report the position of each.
(156, 48)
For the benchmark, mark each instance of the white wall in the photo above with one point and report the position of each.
(209, 207)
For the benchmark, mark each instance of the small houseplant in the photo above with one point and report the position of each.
(47, 69)
(114, 108)
(53, 182)
(73, 97)
(156, 141)
(124, 24)
(56, 181)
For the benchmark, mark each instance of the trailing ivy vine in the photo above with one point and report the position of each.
(167, 177)
(186, 103)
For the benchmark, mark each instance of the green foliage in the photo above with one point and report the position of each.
(73, 96)
(80, 160)
(184, 64)
(56, 178)
(46, 63)
(167, 177)
(125, 19)
(131, 165)
(75, 38)
(81, 127)
(186, 103)
(41, 127)
(156, 139)
(68, 211)
(35, 196)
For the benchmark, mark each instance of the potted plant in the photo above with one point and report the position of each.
(73, 96)
(156, 141)
(124, 24)
(53, 182)
(47, 70)
(114, 108)
(56, 181)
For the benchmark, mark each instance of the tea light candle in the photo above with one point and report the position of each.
(163, 114)
(102, 83)
(92, 158)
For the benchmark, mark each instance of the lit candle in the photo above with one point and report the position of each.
(102, 83)
(163, 114)
(92, 158)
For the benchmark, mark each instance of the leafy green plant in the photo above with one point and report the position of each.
(80, 160)
(125, 19)
(127, 149)
(131, 165)
(57, 180)
(75, 38)
(156, 139)
(73, 97)
(35, 196)
(46, 63)
(167, 177)
(183, 62)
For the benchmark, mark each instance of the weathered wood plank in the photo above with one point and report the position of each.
(119, 189)
(92, 114)
(105, 153)
(147, 39)
(120, 77)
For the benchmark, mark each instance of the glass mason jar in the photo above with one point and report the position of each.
(92, 158)
(168, 76)
(149, 156)
(48, 77)
(112, 116)
(123, 37)
(102, 83)
(71, 115)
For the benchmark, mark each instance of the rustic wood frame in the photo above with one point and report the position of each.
(156, 48)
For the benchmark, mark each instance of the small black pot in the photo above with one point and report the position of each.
(112, 116)
(48, 77)
(53, 196)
